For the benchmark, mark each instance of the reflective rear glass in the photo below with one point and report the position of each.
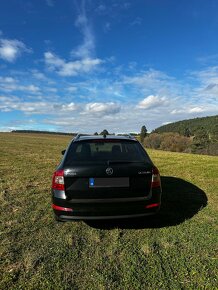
(93, 151)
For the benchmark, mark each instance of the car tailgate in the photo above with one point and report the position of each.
(92, 182)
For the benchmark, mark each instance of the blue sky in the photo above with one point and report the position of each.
(89, 65)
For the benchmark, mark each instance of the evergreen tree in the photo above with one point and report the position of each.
(214, 134)
(187, 132)
(200, 141)
(104, 132)
(143, 133)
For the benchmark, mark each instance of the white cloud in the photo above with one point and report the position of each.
(96, 116)
(208, 83)
(10, 84)
(66, 123)
(30, 88)
(71, 68)
(53, 60)
(207, 76)
(57, 108)
(187, 109)
(6, 103)
(71, 89)
(35, 107)
(38, 75)
(151, 82)
(84, 104)
(84, 60)
(87, 48)
(102, 108)
(196, 110)
(52, 90)
(129, 119)
(176, 111)
(147, 78)
(69, 107)
(11, 49)
(80, 66)
(152, 102)
(7, 80)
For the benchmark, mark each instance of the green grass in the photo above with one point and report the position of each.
(174, 250)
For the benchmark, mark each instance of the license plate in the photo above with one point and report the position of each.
(109, 182)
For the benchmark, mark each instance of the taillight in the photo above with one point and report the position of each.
(155, 178)
(57, 207)
(58, 180)
(152, 205)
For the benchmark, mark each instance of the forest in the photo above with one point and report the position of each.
(199, 135)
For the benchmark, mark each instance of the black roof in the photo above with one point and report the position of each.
(81, 137)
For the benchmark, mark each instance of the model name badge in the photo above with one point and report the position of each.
(73, 173)
(144, 172)
(69, 172)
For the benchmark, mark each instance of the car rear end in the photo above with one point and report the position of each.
(103, 178)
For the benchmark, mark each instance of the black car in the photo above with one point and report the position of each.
(103, 177)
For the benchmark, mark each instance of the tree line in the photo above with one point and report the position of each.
(199, 135)
(190, 127)
(42, 132)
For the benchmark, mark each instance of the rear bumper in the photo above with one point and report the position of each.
(110, 209)
(68, 218)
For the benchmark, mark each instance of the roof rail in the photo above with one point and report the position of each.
(78, 136)
(131, 137)
(104, 136)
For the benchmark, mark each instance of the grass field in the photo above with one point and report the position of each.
(176, 249)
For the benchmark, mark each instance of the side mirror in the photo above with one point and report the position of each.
(63, 152)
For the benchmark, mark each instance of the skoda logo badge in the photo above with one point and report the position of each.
(109, 171)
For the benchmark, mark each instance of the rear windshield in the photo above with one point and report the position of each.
(98, 151)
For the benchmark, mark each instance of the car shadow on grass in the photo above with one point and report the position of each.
(181, 200)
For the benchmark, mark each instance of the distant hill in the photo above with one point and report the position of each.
(42, 132)
(191, 126)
